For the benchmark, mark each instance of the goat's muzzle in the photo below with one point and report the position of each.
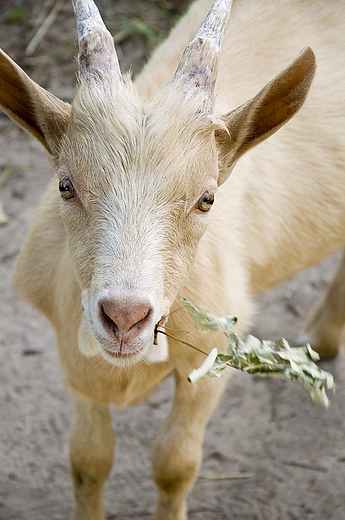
(125, 324)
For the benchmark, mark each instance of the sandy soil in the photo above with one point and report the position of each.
(270, 454)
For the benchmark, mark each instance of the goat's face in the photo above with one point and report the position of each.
(137, 182)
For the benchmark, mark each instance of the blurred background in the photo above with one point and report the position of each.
(40, 35)
(270, 453)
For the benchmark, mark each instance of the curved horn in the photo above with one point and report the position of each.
(199, 63)
(96, 45)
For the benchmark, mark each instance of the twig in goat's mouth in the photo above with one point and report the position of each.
(177, 339)
(156, 331)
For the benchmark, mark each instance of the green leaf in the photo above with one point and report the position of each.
(204, 369)
(260, 357)
(205, 321)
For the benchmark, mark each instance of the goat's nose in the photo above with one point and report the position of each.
(125, 318)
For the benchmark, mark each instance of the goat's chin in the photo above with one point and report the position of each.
(146, 351)
(119, 359)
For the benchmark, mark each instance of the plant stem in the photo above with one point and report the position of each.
(184, 342)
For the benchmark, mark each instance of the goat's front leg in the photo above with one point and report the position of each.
(325, 327)
(92, 443)
(177, 451)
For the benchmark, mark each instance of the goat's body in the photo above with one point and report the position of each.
(282, 209)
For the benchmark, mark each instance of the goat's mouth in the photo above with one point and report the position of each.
(123, 334)
(121, 359)
(121, 354)
(125, 351)
(160, 323)
(120, 347)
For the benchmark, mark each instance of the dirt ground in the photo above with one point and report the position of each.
(270, 453)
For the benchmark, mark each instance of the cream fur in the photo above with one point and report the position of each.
(139, 158)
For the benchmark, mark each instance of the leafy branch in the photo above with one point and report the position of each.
(260, 357)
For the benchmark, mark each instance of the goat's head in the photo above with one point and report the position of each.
(138, 178)
(133, 211)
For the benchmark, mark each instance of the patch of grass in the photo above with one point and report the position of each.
(151, 36)
(15, 14)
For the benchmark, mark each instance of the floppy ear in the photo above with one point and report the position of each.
(251, 123)
(37, 111)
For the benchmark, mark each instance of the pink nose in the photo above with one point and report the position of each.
(126, 318)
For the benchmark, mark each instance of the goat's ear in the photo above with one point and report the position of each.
(260, 117)
(37, 111)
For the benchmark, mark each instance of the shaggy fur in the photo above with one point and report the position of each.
(133, 239)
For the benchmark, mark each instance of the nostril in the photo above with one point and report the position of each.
(124, 318)
(107, 320)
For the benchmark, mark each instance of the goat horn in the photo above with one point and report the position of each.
(96, 45)
(199, 63)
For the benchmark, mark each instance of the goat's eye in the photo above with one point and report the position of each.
(66, 188)
(205, 202)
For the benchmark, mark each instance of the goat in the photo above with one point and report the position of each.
(137, 170)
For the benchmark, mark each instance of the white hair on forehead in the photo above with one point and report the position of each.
(151, 146)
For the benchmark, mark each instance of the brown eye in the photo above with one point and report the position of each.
(205, 202)
(66, 188)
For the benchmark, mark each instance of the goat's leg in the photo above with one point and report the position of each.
(177, 450)
(92, 443)
(324, 328)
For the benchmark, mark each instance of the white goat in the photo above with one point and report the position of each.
(137, 178)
